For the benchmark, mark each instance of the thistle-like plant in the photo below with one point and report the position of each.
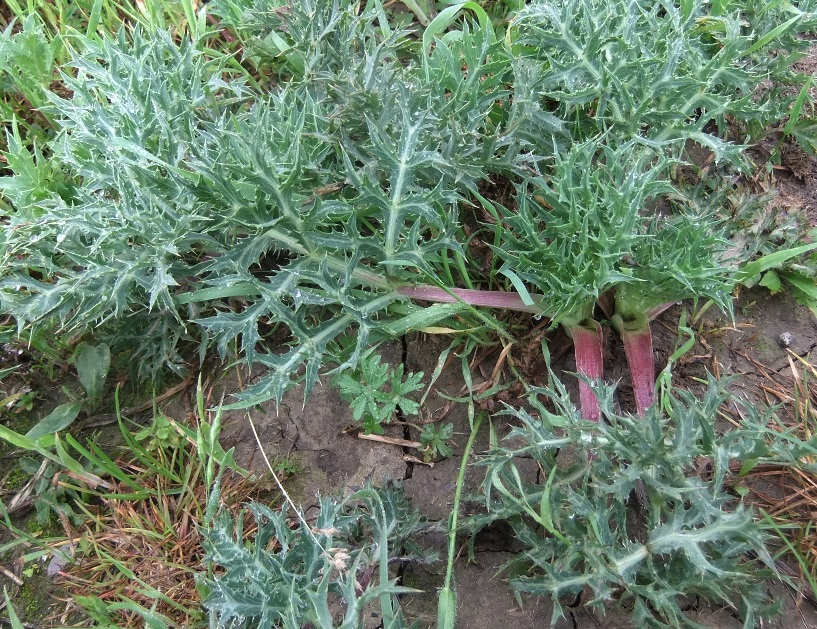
(190, 196)
(662, 71)
(335, 567)
(27, 67)
(691, 536)
(181, 204)
(581, 232)
(651, 78)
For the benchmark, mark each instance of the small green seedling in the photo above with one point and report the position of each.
(435, 440)
(375, 392)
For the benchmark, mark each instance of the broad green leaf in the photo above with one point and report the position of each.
(545, 507)
(58, 419)
(92, 363)
(802, 283)
(93, 19)
(771, 280)
(752, 270)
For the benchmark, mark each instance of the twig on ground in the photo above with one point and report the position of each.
(392, 441)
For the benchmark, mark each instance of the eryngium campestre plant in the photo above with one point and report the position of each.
(192, 204)
(690, 537)
(336, 566)
(279, 220)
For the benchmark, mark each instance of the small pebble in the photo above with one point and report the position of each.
(785, 339)
(61, 558)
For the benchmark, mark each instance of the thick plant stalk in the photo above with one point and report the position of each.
(484, 298)
(587, 346)
(637, 340)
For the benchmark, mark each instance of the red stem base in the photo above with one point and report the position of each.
(638, 348)
(589, 363)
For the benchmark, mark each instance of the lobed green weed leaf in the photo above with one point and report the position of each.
(375, 391)
(436, 440)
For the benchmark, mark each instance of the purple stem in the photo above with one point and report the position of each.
(587, 340)
(637, 341)
(589, 363)
(485, 298)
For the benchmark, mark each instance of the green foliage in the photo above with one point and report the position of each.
(690, 535)
(375, 391)
(28, 59)
(104, 613)
(92, 363)
(51, 499)
(28, 63)
(14, 619)
(435, 441)
(160, 435)
(173, 197)
(771, 270)
(184, 202)
(288, 576)
(203, 201)
(803, 282)
(582, 232)
(447, 602)
(58, 419)
(661, 71)
(153, 498)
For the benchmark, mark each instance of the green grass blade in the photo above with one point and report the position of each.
(797, 107)
(753, 269)
(14, 619)
(447, 16)
(93, 19)
(773, 34)
(447, 604)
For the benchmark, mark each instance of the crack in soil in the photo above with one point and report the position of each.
(399, 413)
(804, 354)
(294, 447)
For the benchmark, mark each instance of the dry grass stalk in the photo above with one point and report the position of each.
(149, 550)
(789, 495)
